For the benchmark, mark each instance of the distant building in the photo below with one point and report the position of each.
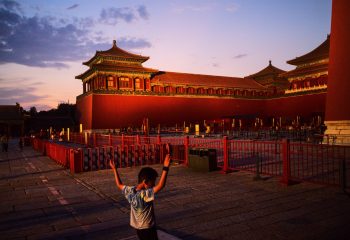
(311, 72)
(119, 92)
(11, 120)
(271, 77)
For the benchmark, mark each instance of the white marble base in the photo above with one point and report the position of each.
(338, 132)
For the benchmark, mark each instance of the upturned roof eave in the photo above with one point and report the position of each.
(141, 59)
(251, 85)
(308, 70)
(90, 71)
(269, 70)
(319, 53)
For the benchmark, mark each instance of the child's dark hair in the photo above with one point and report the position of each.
(148, 174)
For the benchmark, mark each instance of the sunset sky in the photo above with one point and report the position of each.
(44, 42)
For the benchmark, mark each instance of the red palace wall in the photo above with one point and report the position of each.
(99, 111)
(84, 111)
(303, 105)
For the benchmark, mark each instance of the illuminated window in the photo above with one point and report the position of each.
(179, 90)
(137, 83)
(110, 82)
(124, 82)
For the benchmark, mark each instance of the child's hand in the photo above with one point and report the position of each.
(111, 164)
(167, 157)
(167, 160)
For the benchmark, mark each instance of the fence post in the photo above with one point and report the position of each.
(258, 161)
(286, 162)
(186, 143)
(122, 141)
(342, 174)
(225, 149)
(86, 138)
(94, 142)
(76, 160)
(138, 139)
(110, 140)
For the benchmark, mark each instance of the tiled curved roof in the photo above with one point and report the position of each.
(269, 70)
(116, 67)
(115, 51)
(175, 78)
(321, 52)
(299, 71)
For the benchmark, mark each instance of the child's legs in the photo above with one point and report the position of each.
(147, 234)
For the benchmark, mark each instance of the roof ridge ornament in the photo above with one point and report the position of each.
(114, 43)
(270, 63)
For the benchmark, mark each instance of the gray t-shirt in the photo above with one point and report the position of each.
(142, 211)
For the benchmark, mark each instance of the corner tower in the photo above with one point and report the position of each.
(116, 70)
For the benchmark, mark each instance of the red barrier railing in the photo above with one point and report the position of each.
(38, 145)
(58, 153)
(292, 161)
(318, 163)
(248, 155)
(124, 156)
(76, 138)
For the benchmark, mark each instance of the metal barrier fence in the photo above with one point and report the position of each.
(292, 161)
(123, 156)
(326, 164)
(255, 156)
(59, 153)
(96, 158)
(38, 145)
(76, 138)
(216, 144)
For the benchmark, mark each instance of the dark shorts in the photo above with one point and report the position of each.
(147, 234)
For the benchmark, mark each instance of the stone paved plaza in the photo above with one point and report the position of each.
(42, 200)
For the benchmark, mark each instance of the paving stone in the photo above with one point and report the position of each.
(193, 205)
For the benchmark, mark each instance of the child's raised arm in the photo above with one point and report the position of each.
(118, 182)
(164, 175)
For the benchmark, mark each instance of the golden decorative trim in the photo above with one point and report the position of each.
(306, 89)
(303, 77)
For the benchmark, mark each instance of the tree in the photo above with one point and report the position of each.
(33, 111)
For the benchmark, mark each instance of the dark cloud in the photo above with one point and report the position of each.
(39, 107)
(16, 81)
(21, 95)
(113, 15)
(73, 6)
(133, 43)
(37, 83)
(11, 5)
(240, 56)
(215, 65)
(143, 13)
(49, 42)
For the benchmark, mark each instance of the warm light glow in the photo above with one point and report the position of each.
(228, 43)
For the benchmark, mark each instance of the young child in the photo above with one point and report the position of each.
(141, 198)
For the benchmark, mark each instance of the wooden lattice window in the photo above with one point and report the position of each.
(110, 82)
(124, 82)
(137, 83)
